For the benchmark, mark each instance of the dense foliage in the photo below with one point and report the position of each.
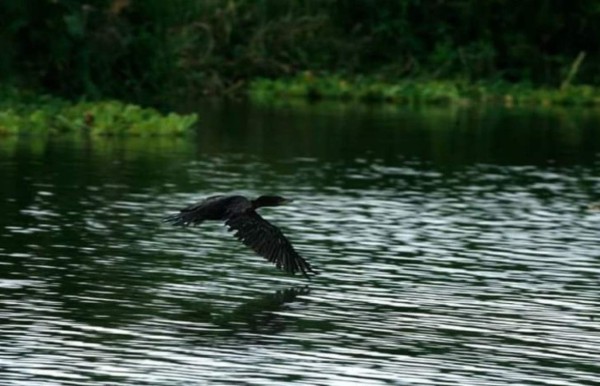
(150, 51)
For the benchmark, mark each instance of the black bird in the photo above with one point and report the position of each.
(239, 214)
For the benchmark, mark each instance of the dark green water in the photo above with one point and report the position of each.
(455, 247)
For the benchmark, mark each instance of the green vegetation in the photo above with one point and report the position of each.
(417, 92)
(157, 52)
(28, 113)
(154, 51)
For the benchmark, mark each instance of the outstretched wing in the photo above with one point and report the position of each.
(267, 241)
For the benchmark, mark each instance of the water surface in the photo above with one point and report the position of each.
(455, 247)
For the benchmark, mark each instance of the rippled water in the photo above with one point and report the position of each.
(455, 248)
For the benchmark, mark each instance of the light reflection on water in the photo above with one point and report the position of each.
(481, 273)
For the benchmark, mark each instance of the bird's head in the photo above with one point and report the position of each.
(269, 201)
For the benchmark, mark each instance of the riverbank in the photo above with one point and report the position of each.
(419, 92)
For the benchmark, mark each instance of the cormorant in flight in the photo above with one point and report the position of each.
(250, 228)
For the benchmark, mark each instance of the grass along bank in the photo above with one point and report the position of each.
(30, 113)
(418, 92)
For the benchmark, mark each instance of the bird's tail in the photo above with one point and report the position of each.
(182, 219)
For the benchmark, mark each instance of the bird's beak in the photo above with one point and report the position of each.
(286, 201)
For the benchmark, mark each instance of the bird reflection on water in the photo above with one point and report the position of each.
(259, 315)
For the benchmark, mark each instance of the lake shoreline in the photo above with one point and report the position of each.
(420, 92)
(27, 111)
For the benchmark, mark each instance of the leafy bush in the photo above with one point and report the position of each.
(23, 113)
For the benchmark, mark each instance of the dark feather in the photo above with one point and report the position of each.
(267, 241)
(211, 208)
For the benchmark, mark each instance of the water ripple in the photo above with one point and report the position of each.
(482, 275)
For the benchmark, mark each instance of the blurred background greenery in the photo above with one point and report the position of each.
(156, 52)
